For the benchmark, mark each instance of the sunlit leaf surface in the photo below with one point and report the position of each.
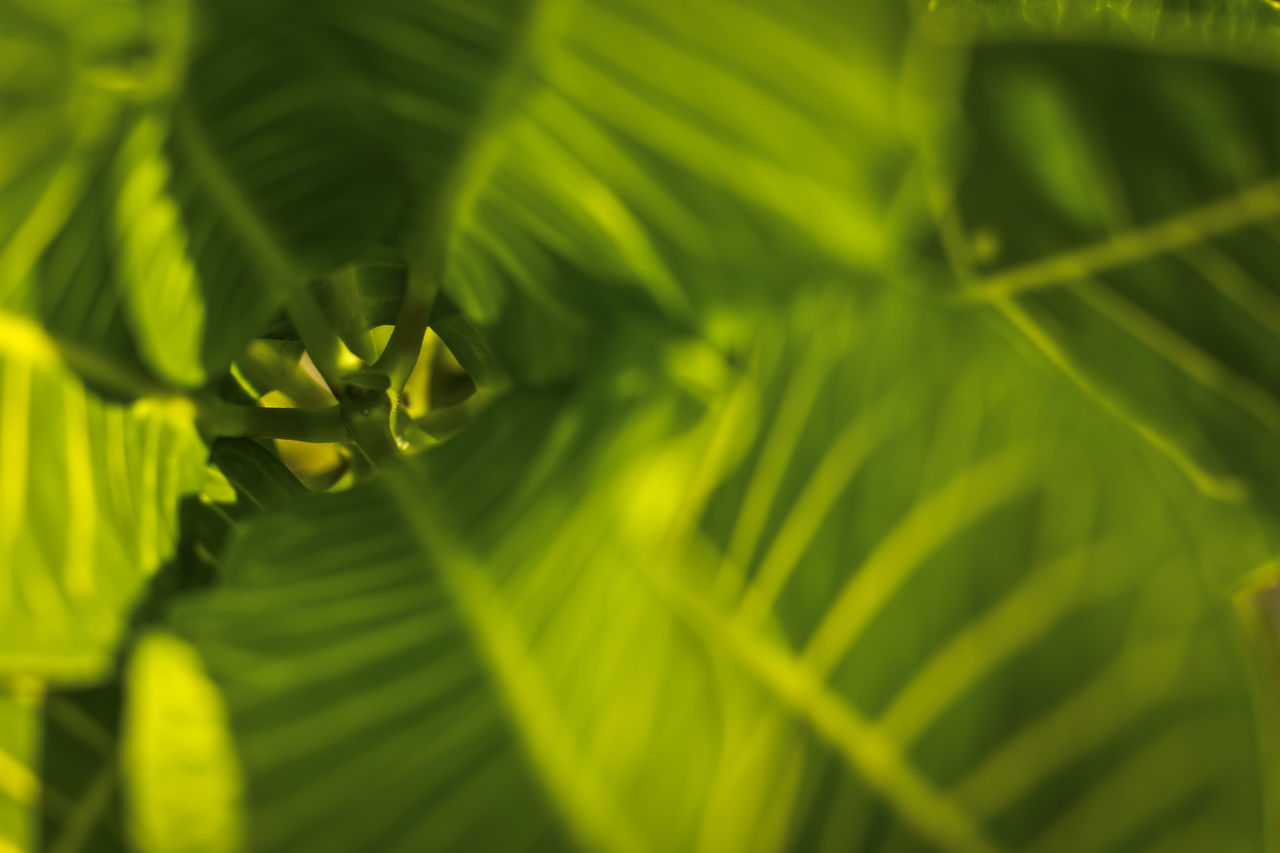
(88, 500)
(187, 787)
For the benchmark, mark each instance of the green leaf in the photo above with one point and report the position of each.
(87, 507)
(19, 782)
(663, 156)
(437, 726)
(185, 783)
(305, 139)
(885, 581)
(1119, 209)
(167, 234)
(260, 479)
(84, 755)
(58, 774)
(593, 192)
(78, 74)
(92, 243)
(80, 800)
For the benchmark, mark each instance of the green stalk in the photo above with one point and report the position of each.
(319, 337)
(353, 326)
(366, 406)
(401, 352)
(319, 426)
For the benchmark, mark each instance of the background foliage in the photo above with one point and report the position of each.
(839, 426)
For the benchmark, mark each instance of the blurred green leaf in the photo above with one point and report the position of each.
(841, 589)
(888, 419)
(87, 508)
(176, 227)
(699, 156)
(80, 774)
(1128, 234)
(58, 776)
(1243, 28)
(76, 74)
(19, 781)
(82, 761)
(185, 784)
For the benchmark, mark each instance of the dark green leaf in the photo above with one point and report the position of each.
(1120, 208)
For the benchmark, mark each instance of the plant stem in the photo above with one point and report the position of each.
(367, 404)
(401, 353)
(442, 423)
(320, 426)
(349, 317)
(318, 336)
(370, 426)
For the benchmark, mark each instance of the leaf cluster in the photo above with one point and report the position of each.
(714, 425)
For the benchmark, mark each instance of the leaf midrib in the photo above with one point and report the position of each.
(547, 740)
